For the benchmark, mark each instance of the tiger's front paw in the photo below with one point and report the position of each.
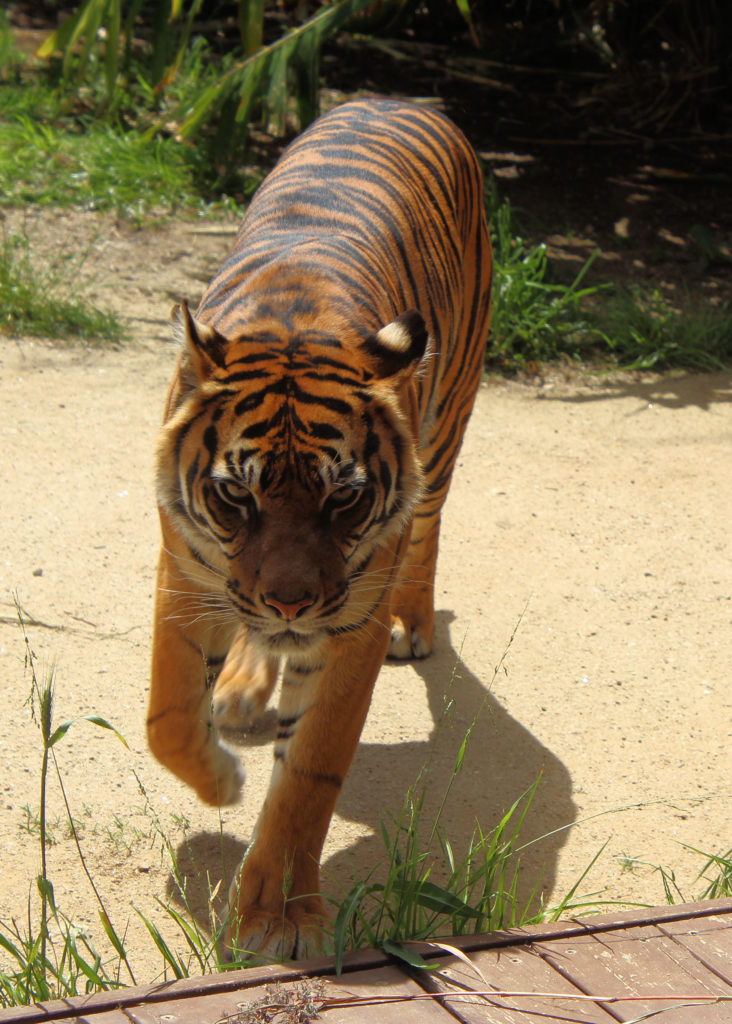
(244, 686)
(408, 641)
(263, 923)
(232, 708)
(221, 778)
(286, 936)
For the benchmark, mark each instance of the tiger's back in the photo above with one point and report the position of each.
(378, 204)
(311, 429)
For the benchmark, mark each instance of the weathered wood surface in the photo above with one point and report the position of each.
(614, 968)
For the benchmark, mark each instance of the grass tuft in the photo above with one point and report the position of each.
(38, 300)
(645, 331)
(94, 165)
(534, 319)
(719, 885)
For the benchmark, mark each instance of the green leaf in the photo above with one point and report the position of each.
(164, 949)
(93, 971)
(340, 929)
(409, 956)
(45, 888)
(59, 39)
(266, 69)
(62, 729)
(433, 897)
(112, 935)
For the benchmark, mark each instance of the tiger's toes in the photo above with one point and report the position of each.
(222, 783)
(236, 709)
(408, 641)
(264, 936)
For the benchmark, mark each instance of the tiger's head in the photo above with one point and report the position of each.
(285, 463)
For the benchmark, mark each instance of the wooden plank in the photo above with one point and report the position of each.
(642, 962)
(368, 985)
(511, 970)
(212, 1007)
(191, 1009)
(390, 981)
(568, 928)
(93, 1006)
(709, 939)
(196, 1009)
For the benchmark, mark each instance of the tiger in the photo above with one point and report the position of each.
(317, 406)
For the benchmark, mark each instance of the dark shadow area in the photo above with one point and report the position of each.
(702, 390)
(503, 760)
(205, 860)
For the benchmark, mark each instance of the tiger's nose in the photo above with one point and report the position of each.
(288, 610)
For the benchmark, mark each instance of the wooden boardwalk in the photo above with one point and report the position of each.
(597, 970)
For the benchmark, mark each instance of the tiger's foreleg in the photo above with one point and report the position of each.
(187, 649)
(413, 605)
(275, 904)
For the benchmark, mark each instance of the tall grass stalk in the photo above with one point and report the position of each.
(204, 945)
(40, 975)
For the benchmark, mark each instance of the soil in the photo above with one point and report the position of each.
(583, 600)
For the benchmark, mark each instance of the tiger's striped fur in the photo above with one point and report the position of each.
(310, 432)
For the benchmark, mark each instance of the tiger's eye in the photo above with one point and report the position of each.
(236, 494)
(342, 499)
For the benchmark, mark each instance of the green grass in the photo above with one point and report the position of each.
(715, 873)
(44, 300)
(645, 330)
(97, 167)
(57, 152)
(54, 151)
(534, 319)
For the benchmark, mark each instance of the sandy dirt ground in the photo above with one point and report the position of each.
(589, 519)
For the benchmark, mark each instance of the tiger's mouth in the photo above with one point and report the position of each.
(286, 641)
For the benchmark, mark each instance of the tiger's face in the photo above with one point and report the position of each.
(286, 467)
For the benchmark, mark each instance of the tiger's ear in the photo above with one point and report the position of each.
(203, 347)
(398, 347)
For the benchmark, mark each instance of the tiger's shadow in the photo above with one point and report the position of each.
(502, 761)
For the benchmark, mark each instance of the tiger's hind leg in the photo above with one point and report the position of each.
(244, 684)
(412, 607)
